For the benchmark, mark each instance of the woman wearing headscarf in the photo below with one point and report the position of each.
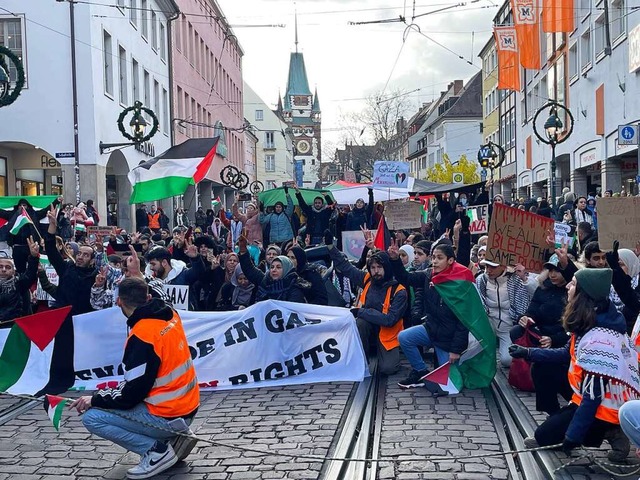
(603, 370)
(270, 253)
(238, 293)
(407, 255)
(281, 283)
(625, 293)
(317, 294)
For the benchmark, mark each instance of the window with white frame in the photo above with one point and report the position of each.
(156, 99)
(11, 36)
(154, 31)
(599, 37)
(144, 18)
(163, 42)
(135, 80)
(270, 163)
(585, 49)
(259, 115)
(133, 12)
(107, 59)
(269, 140)
(573, 60)
(179, 108)
(585, 8)
(122, 71)
(165, 111)
(617, 19)
(147, 89)
(439, 132)
(179, 29)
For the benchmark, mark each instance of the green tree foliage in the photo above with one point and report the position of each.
(443, 172)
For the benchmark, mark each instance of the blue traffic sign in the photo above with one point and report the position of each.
(628, 132)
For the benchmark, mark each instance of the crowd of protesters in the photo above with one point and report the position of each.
(230, 259)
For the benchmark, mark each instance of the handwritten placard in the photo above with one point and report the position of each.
(479, 216)
(103, 232)
(390, 174)
(178, 296)
(618, 219)
(565, 235)
(402, 215)
(353, 243)
(516, 236)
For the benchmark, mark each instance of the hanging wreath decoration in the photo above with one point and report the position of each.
(137, 110)
(10, 95)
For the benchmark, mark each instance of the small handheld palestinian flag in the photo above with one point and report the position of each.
(22, 220)
(54, 406)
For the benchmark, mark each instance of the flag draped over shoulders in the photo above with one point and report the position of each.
(456, 287)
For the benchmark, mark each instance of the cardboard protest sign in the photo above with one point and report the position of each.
(390, 174)
(564, 235)
(516, 236)
(479, 216)
(402, 215)
(618, 219)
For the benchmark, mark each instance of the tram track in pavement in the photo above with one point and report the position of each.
(15, 409)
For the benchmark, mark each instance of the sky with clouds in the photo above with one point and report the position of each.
(349, 62)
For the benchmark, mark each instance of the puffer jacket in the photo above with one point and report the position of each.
(280, 230)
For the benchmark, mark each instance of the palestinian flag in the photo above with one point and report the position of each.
(477, 365)
(445, 379)
(26, 351)
(172, 172)
(54, 406)
(216, 203)
(382, 240)
(22, 219)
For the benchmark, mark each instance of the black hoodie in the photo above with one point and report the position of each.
(28, 230)
(317, 295)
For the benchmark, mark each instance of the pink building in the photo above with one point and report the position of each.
(207, 92)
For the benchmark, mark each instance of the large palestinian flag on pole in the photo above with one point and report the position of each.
(26, 351)
(172, 172)
(477, 365)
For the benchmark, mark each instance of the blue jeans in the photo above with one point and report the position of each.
(629, 415)
(414, 337)
(134, 432)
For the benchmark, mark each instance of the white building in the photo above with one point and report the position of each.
(274, 148)
(121, 55)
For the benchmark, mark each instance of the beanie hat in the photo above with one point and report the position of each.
(595, 282)
(569, 197)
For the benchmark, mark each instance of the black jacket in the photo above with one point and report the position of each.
(445, 330)
(291, 288)
(629, 296)
(317, 294)
(14, 294)
(74, 283)
(142, 220)
(546, 309)
(317, 220)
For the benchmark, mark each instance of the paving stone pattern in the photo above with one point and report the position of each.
(416, 424)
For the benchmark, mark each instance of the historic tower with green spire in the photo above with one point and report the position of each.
(300, 110)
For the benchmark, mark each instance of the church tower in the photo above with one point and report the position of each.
(300, 110)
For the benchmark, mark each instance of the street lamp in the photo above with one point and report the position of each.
(553, 127)
(489, 158)
(138, 127)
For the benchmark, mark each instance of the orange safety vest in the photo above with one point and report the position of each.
(608, 409)
(388, 336)
(175, 392)
(154, 220)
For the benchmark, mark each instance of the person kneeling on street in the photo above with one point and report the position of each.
(603, 370)
(159, 396)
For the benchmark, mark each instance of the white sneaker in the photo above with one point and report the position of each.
(154, 462)
(183, 445)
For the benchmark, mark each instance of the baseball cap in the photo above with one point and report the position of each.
(552, 262)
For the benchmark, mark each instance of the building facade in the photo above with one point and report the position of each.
(274, 147)
(121, 54)
(207, 93)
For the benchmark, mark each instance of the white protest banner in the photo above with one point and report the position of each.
(389, 174)
(402, 215)
(353, 243)
(479, 216)
(178, 296)
(564, 234)
(271, 343)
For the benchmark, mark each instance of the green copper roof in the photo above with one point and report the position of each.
(316, 102)
(297, 83)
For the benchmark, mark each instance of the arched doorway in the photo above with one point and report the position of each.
(119, 212)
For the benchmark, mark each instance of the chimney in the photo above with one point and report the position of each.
(457, 86)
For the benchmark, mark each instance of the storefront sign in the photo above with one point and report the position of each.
(147, 148)
(588, 158)
(48, 162)
(618, 219)
(402, 215)
(516, 236)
